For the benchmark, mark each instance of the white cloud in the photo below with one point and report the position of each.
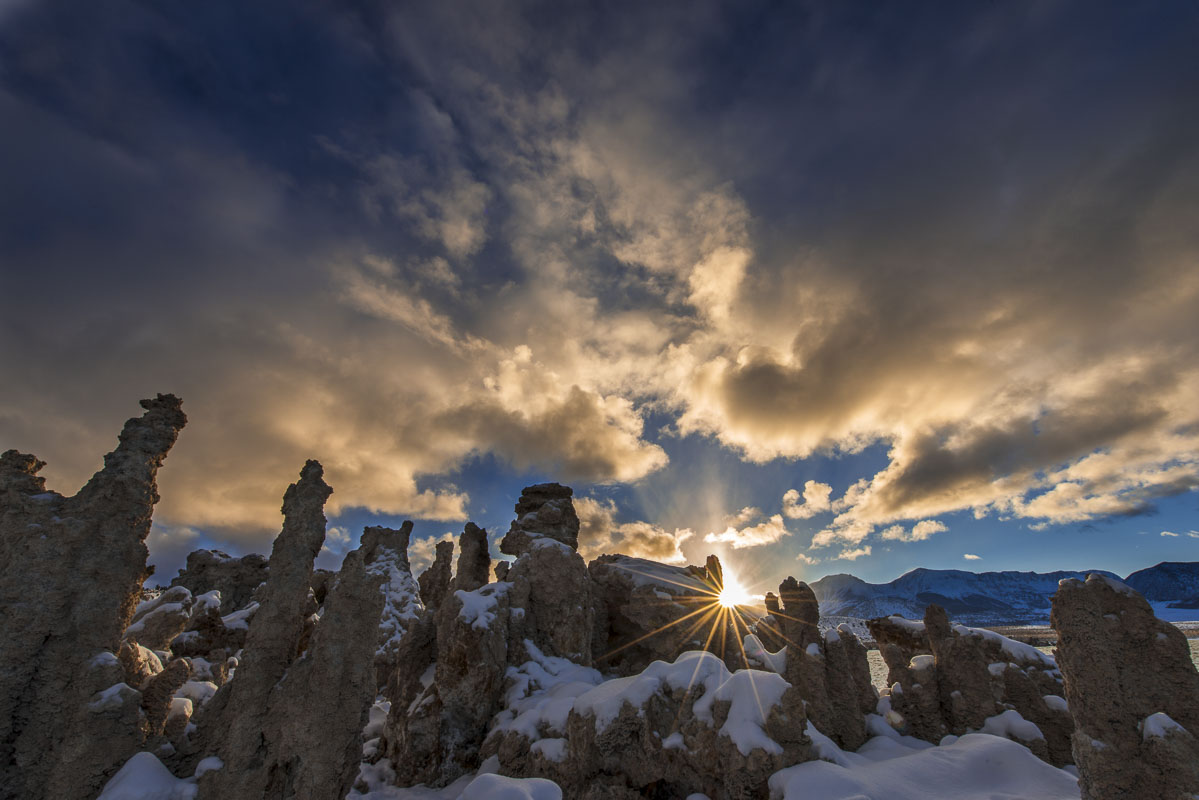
(804, 558)
(1170, 534)
(853, 555)
(763, 533)
(599, 533)
(971, 557)
(815, 501)
(920, 531)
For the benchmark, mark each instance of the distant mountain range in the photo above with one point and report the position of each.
(986, 597)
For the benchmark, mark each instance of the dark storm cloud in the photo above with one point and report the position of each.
(394, 236)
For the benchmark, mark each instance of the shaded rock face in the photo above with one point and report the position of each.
(458, 654)
(950, 679)
(435, 581)
(235, 578)
(551, 592)
(71, 570)
(287, 724)
(646, 612)
(545, 510)
(829, 674)
(1133, 693)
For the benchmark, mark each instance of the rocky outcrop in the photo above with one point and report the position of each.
(287, 725)
(1132, 690)
(437, 723)
(646, 612)
(474, 560)
(435, 581)
(235, 578)
(544, 511)
(828, 674)
(157, 622)
(551, 591)
(385, 552)
(71, 570)
(672, 730)
(951, 679)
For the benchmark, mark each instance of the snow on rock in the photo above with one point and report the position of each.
(1160, 725)
(143, 777)
(497, 787)
(235, 579)
(386, 555)
(950, 679)
(1056, 702)
(974, 767)
(199, 692)
(689, 724)
(1011, 725)
(159, 620)
(478, 606)
(757, 653)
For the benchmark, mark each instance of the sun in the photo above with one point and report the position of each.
(732, 594)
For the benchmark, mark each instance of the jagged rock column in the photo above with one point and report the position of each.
(71, 570)
(550, 584)
(1132, 690)
(287, 725)
(435, 729)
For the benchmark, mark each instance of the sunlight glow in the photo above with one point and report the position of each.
(732, 594)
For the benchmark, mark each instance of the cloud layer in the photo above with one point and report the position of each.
(417, 247)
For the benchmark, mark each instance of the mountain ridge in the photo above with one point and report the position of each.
(985, 597)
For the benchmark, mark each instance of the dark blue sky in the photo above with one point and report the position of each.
(821, 287)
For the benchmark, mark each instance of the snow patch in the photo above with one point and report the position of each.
(1160, 725)
(143, 777)
(478, 606)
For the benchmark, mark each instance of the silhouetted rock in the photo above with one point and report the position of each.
(435, 581)
(1133, 692)
(71, 570)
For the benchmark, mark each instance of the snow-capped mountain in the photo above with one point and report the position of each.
(1169, 580)
(979, 598)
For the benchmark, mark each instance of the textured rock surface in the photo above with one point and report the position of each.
(287, 725)
(437, 723)
(474, 560)
(682, 736)
(385, 551)
(544, 510)
(550, 584)
(829, 674)
(1121, 665)
(435, 581)
(156, 622)
(646, 612)
(232, 725)
(950, 679)
(71, 570)
(235, 578)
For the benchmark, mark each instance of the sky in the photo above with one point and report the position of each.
(818, 287)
